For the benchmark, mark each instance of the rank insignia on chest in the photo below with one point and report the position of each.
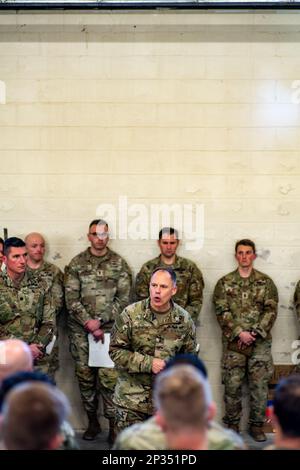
(244, 295)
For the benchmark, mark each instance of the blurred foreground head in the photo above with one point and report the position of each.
(32, 416)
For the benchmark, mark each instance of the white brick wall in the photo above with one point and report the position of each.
(155, 107)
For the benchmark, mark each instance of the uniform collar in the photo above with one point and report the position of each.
(92, 257)
(148, 313)
(176, 264)
(240, 280)
(8, 281)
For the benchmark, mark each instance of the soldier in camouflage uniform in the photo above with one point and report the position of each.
(182, 398)
(190, 282)
(26, 308)
(51, 276)
(149, 435)
(18, 368)
(246, 306)
(1, 251)
(286, 414)
(297, 300)
(97, 286)
(144, 336)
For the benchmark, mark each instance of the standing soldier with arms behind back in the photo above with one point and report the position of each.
(190, 282)
(98, 286)
(52, 277)
(246, 306)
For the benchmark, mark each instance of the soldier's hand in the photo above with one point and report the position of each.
(245, 338)
(98, 335)
(36, 351)
(92, 325)
(157, 365)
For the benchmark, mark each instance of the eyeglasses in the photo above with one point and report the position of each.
(102, 235)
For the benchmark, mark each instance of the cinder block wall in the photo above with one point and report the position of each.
(160, 107)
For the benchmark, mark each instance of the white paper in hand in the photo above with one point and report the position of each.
(98, 352)
(50, 345)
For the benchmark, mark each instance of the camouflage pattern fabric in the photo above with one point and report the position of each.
(190, 283)
(246, 304)
(125, 418)
(95, 287)
(137, 338)
(92, 380)
(297, 306)
(297, 300)
(26, 312)
(51, 277)
(149, 436)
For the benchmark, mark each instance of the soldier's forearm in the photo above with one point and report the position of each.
(133, 362)
(77, 311)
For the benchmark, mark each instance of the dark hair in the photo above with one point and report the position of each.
(2, 243)
(245, 242)
(168, 231)
(12, 242)
(32, 416)
(98, 222)
(168, 270)
(287, 405)
(19, 377)
(189, 359)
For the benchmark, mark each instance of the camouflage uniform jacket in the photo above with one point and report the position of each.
(190, 283)
(297, 300)
(96, 287)
(53, 278)
(149, 436)
(137, 338)
(26, 311)
(244, 304)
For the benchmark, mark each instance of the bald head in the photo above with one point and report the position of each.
(35, 244)
(15, 356)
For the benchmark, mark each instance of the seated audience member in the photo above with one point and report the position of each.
(15, 356)
(286, 414)
(69, 439)
(32, 416)
(184, 407)
(149, 435)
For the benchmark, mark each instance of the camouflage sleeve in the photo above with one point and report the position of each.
(124, 289)
(72, 295)
(195, 295)
(230, 327)
(190, 343)
(58, 291)
(142, 284)
(269, 310)
(46, 319)
(297, 300)
(120, 349)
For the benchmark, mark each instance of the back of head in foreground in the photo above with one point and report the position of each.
(286, 413)
(184, 407)
(32, 416)
(15, 356)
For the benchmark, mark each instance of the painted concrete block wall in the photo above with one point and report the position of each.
(161, 108)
